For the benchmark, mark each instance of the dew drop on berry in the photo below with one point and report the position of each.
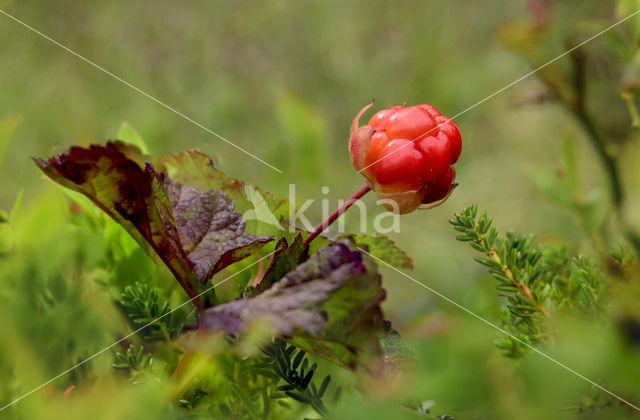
(380, 118)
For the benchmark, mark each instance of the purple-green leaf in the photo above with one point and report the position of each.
(285, 258)
(382, 247)
(209, 230)
(196, 169)
(194, 232)
(328, 305)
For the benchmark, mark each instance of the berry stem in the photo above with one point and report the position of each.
(339, 211)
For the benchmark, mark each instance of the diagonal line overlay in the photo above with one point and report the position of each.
(61, 374)
(86, 60)
(499, 91)
(473, 314)
(278, 170)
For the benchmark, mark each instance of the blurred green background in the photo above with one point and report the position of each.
(283, 79)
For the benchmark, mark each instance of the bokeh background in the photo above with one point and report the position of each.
(283, 79)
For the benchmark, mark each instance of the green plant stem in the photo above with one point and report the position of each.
(611, 168)
(627, 97)
(163, 329)
(337, 213)
(523, 289)
(578, 108)
(572, 95)
(609, 163)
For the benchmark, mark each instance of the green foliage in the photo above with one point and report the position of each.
(6, 237)
(171, 221)
(384, 248)
(328, 304)
(571, 127)
(129, 135)
(536, 282)
(562, 186)
(138, 363)
(145, 306)
(196, 169)
(295, 370)
(279, 381)
(285, 258)
(7, 221)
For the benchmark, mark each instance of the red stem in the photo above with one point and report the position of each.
(332, 218)
(188, 355)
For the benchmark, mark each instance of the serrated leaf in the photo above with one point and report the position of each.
(209, 230)
(194, 232)
(328, 306)
(289, 304)
(196, 169)
(285, 258)
(383, 248)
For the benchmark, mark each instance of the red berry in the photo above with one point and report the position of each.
(409, 123)
(431, 110)
(380, 118)
(406, 153)
(437, 157)
(400, 166)
(450, 132)
(441, 188)
(379, 142)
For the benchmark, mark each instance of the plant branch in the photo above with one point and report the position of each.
(337, 213)
(523, 289)
(611, 168)
(484, 238)
(572, 95)
(609, 163)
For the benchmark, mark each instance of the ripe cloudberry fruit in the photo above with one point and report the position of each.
(406, 153)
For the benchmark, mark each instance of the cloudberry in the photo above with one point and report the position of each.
(406, 154)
